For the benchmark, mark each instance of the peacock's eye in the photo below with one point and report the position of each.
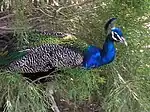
(116, 37)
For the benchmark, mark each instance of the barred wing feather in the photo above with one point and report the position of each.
(46, 57)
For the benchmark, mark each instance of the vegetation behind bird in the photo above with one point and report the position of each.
(127, 79)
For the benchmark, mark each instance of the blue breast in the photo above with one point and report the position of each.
(92, 57)
(95, 57)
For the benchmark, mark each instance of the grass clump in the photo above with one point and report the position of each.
(79, 84)
(18, 95)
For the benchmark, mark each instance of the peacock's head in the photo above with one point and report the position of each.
(114, 32)
(117, 35)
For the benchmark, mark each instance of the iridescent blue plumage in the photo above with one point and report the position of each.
(92, 57)
(117, 30)
(95, 57)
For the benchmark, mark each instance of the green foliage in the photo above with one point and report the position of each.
(123, 86)
(79, 84)
(123, 91)
(18, 95)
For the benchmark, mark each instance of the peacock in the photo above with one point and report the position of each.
(47, 57)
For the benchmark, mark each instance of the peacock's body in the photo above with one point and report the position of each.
(47, 57)
(50, 56)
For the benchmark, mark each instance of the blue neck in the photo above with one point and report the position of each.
(108, 51)
(95, 57)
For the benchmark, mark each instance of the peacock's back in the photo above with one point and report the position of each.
(46, 57)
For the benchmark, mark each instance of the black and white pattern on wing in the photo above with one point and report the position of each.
(46, 57)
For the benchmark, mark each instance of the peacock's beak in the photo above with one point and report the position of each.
(124, 41)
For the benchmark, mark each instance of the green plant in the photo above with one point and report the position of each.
(123, 86)
(18, 95)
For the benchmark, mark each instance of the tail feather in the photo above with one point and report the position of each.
(10, 57)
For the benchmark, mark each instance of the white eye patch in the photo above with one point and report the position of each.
(118, 37)
(113, 36)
